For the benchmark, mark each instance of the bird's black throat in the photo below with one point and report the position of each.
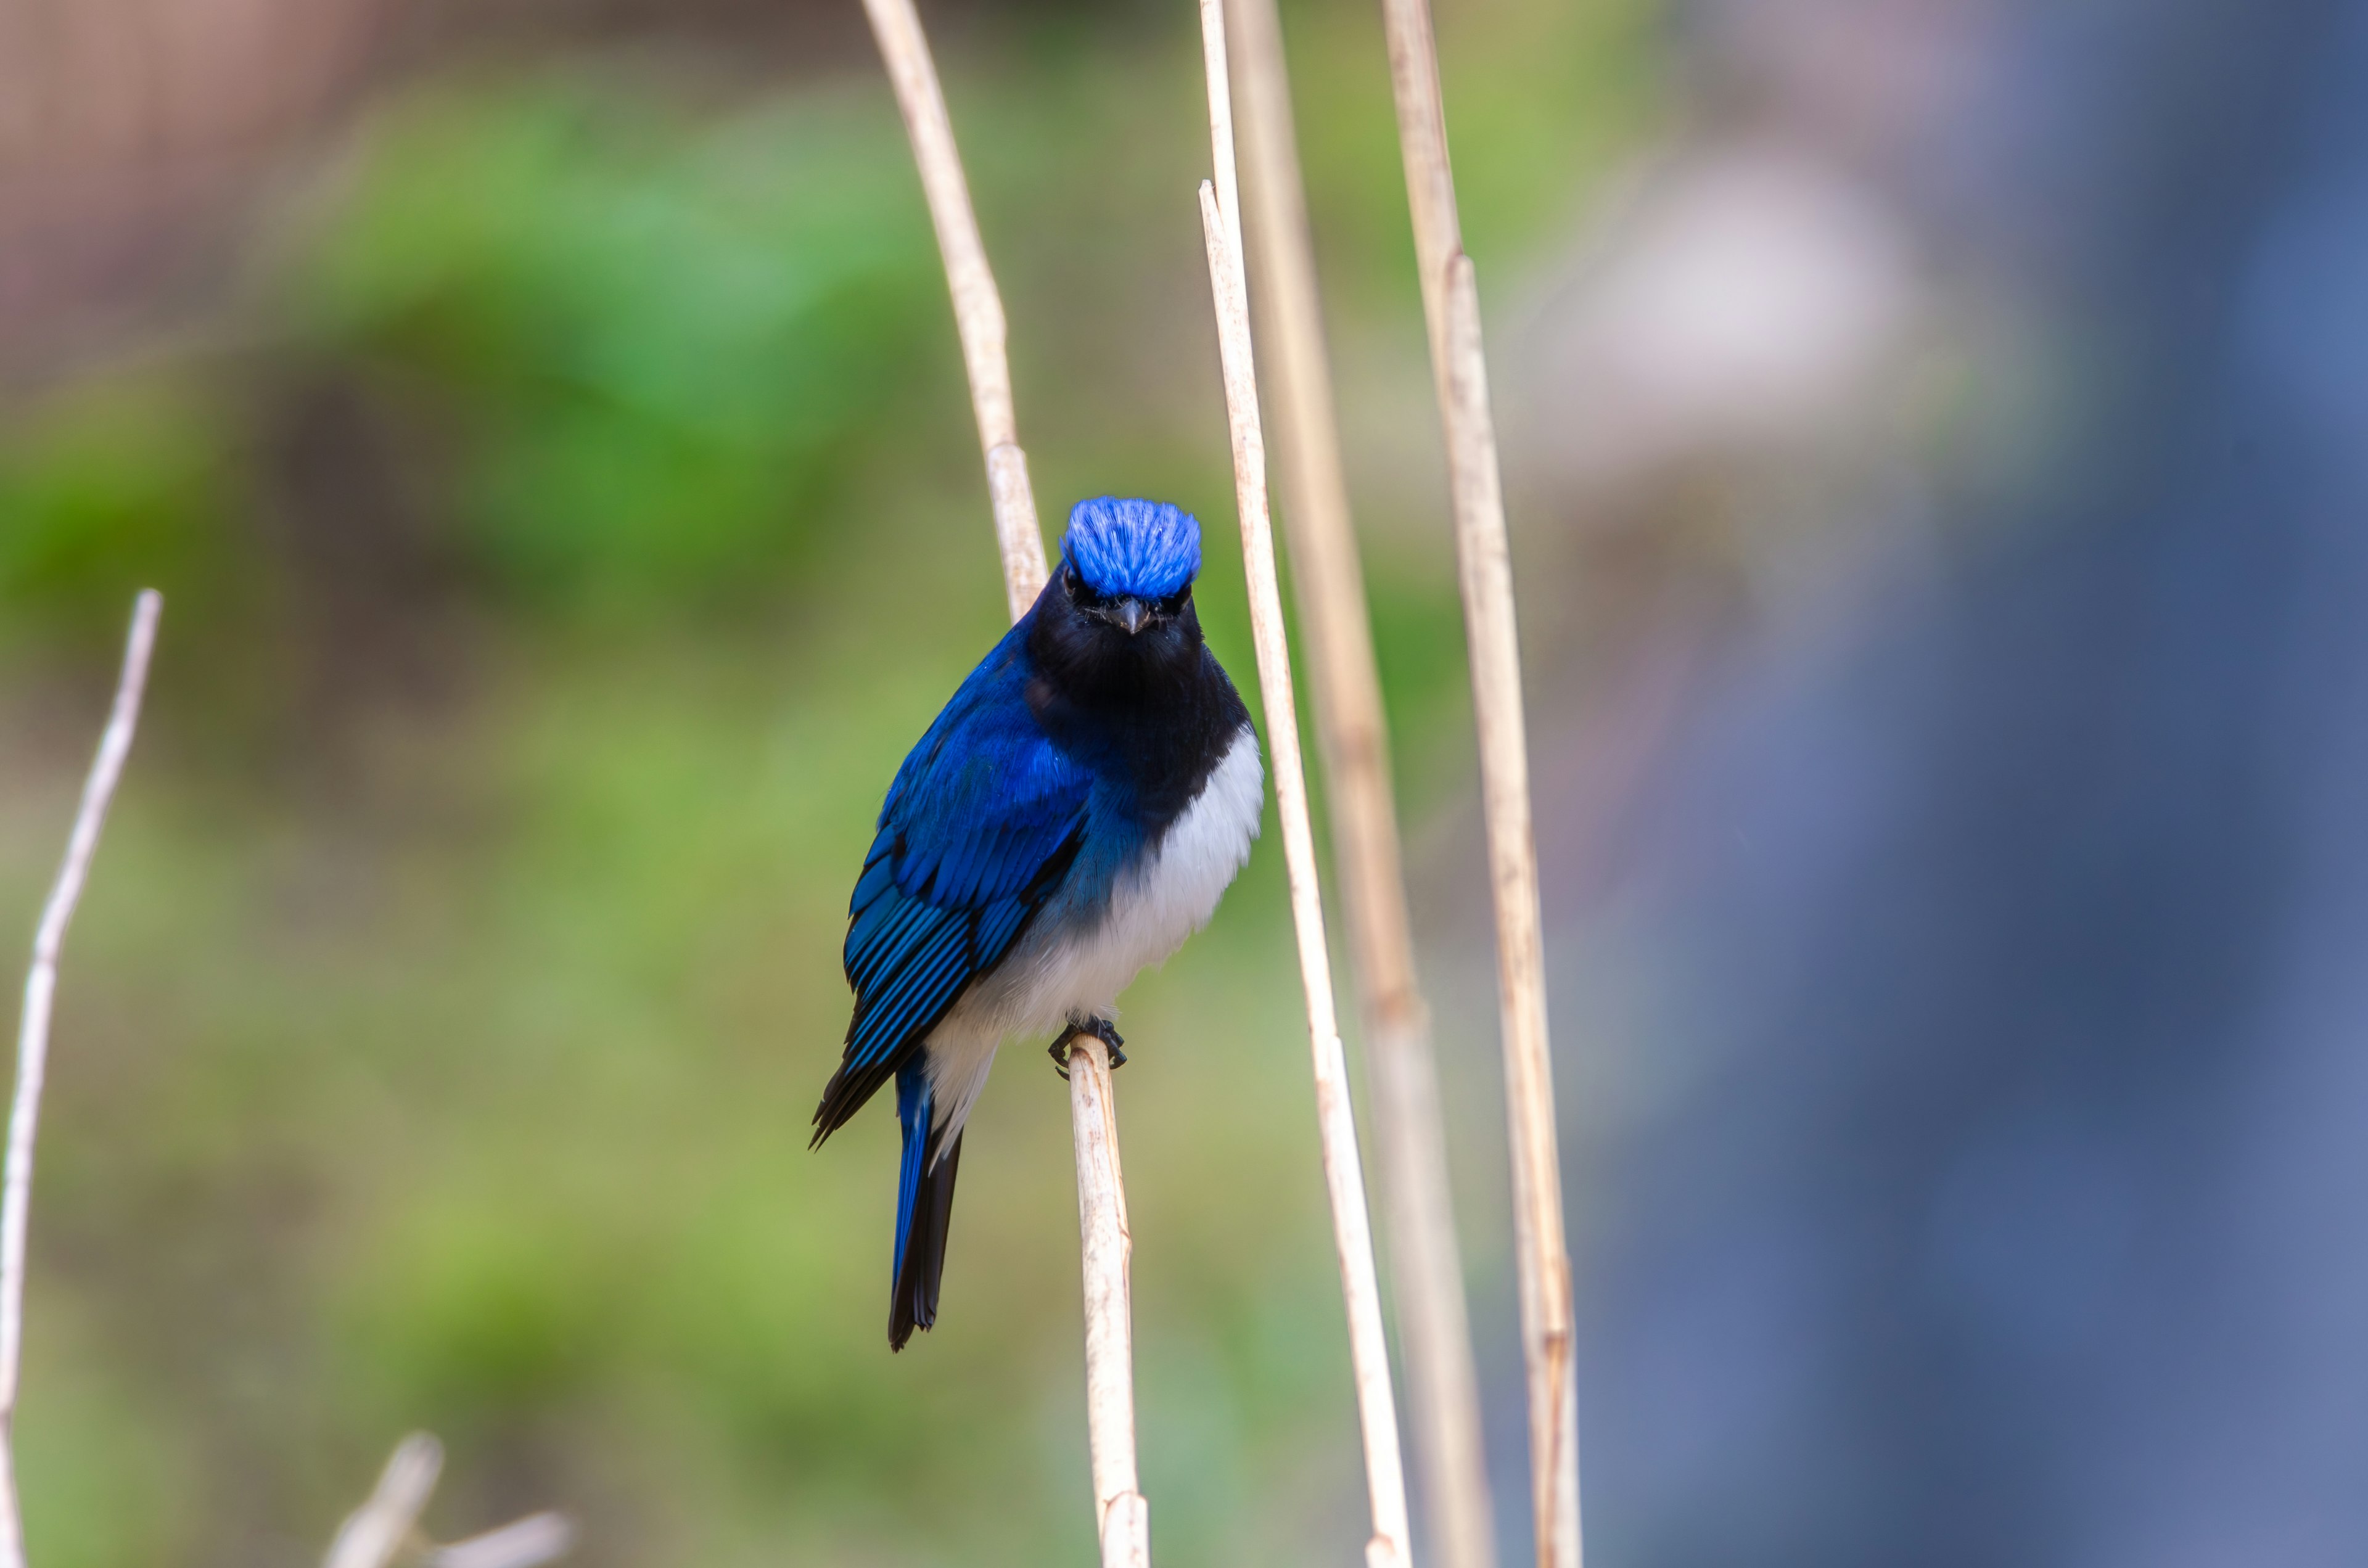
(1151, 707)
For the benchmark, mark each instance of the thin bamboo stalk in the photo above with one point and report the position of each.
(1328, 583)
(1122, 1516)
(33, 1043)
(1451, 311)
(1389, 1546)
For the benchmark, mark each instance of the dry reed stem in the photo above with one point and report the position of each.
(1451, 310)
(522, 1543)
(387, 1523)
(978, 309)
(1122, 1523)
(1336, 1118)
(1122, 1516)
(33, 1043)
(1389, 1546)
(1427, 1267)
(1486, 573)
(374, 1532)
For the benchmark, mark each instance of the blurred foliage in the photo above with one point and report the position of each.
(563, 538)
(127, 478)
(632, 347)
(660, 336)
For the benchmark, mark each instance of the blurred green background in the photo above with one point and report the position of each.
(562, 484)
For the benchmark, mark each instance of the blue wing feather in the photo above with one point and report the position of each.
(981, 821)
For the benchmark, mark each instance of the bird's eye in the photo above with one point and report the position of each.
(1173, 603)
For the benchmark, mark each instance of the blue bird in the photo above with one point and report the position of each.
(1072, 816)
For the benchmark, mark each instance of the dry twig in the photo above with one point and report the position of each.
(1121, 1517)
(374, 1532)
(522, 1543)
(1344, 1175)
(33, 1044)
(1427, 1267)
(1451, 310)
(387, 1525)
(978, 309)
(383, 1526)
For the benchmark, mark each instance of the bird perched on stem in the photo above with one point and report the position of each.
(1072, 816)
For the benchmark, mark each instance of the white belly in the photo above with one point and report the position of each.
(1053, 979)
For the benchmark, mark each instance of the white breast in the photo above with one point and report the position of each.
(1155, 905)
(1173, 892)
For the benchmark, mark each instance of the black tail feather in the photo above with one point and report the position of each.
(914, 1301)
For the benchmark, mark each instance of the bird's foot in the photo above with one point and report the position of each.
(1060, 1051)
(1101, 1030)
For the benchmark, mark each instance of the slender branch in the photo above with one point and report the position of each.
(1427, 1264)
(978, 309)
(1123, 1520)
(1487, 572)
(1336, 1121)
(522, 1543)
(1431, 182)
(1451, 310)
(33, 1044)
(382, 1526)
(1122, 1516)
(386, 1525)
(374, 1532)
(1353, 1234)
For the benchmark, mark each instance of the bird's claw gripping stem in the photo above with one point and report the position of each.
(1101, 1030)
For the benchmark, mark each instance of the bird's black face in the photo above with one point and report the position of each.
(1129, 614)
(1100, 647)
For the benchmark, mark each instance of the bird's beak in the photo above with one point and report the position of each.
(1130, 614)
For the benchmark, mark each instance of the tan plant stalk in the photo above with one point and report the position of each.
(1451, 310)
(385, 1528)
(522, 1543)
(373, 1533)
(1389, 1546)
(1427, 1268)
(33, 1044)
(1336, 1119)
(1121, 1517)
(978, 307)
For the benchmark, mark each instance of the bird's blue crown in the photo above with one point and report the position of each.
(1144, 550)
